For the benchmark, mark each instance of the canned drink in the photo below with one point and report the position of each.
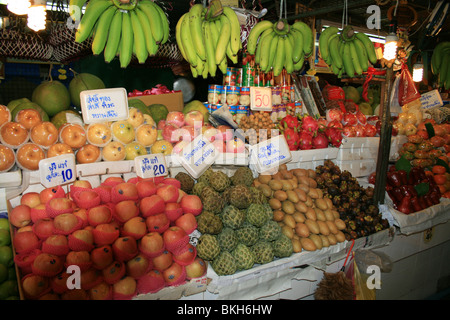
(248, 76)
(244, 96)
(259, 78)
(230, 77)
(285, 94)
(208, 106)
(298, 107)
(233, 109)
(292, 89)
(214, 93)
(232, 98)
(239, 77)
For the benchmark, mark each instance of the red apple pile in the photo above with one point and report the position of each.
(117, 240)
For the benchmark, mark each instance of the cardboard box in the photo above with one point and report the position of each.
(173, 101)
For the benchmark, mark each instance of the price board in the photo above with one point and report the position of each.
(261, 98)
(104, 105)
(197, 156)
(59, 170)
(270, 154)
(151, 165)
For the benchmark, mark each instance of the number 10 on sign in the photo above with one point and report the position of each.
(260, 98)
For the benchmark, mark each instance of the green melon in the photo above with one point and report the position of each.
(29, 105)
(14, 103)
(66, 116)
(365, 108)
(351, 93)
(81, 82)
(52, 96)
(139, 104)
(197, 105)
(158, 112)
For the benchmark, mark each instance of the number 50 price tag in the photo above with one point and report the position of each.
(261, 98)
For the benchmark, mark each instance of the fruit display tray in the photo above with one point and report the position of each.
(271, 278)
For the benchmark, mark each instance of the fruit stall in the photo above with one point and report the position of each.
(306, 163)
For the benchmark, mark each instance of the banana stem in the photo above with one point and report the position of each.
(350, 32)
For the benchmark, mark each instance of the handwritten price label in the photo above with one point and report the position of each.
(261, 98)
(104, 105)
(150, 166)
(57, 170)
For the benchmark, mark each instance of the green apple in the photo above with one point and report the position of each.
(123, 131)
(133, 150)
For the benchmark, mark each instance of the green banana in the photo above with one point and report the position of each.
(443, 71)
(333, 43)
(126, 42)
(281, 27)
(258, 49)
(347, 60)
(362, 54)
(218, 24)
(139, 38)
(348, 34)
(447, 80)
(279, 58)
(75, 7)
(186, 41)
(150, 43)
(235, 36)
(264, 48)
(114, 35)
(255, 32)
(195, 27)
(370, 48)
(178, 36)
(233, 57)
(298, 50)
(323, 41)
(150, 10)
(436, 58)
(210, 55)
(305, 30)
(102, 30)
(164, 23)
(94, 9)
(214, 33)
(205, 71)
(288, 63)
(224, 39)
(194, 71)
(355, 59)
(223, 65)
(335, 69)
(272, 52)
(298, 65)
(125, 5)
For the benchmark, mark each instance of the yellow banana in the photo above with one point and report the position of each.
(94, 9)
(149, 8)
(362, 54)
(255, 32)
(126, 42)
(150, 43)
(235, 36)
(195, 27)
(355, 59)
(139, 38)
(224, 39)
(186, 41)
(102, 30)
(210, 56)
(280, 56)
(298, 45)
(288, 63)
(164, 23)
(114, 35)
(178, 37)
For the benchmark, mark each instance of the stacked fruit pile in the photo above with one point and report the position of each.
(8, 279)
(305, 215)
(440, 64)
(122, 28)
(280, 45)
(353, 202)
(236, 223)
(206, 36)
(348, 52)
(126, 238)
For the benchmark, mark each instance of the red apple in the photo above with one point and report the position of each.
(138, 266)
(43, 228)
(87, 198)
(191, 203)
(174, 274)
(56, 244)
(186, 255)
(31, 199)
(125, 210)
(50, 193)
(151, 244)
(187, 222)
(175, 238)
(82, 214)
(135, 227)
(370, 130)
(162, 261)
(102, 257)
(220, 145)
(157, 223)
(196, 269)
(112, 181)
(194, 118)
(25, 241)
(145, 188)
(79, 258)
(152, 205)
(57, 206)
(34, 286)
(125, 288)
(20, 216)
(235, 145)
(47, 264)
(173, 211)
(125, 248)
(105, 234)
(176, 118)
(82, 239)
(168, 192)
(99, 215)
(66, 223)
(225, 134)
(124, 191)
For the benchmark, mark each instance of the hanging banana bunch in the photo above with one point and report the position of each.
(206, 37)
(280, 45)
(122, 28)
(348, 51)
(440, 64)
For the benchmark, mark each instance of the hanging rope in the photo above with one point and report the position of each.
(345, 14)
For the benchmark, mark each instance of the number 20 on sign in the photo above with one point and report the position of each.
(260, 98)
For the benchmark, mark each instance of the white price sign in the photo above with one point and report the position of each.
(104, 105)
(261, 98)
(151, 166)
(57, 170)
(270, 154)
(198, 156)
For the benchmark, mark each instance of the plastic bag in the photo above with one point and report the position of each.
(407, 90)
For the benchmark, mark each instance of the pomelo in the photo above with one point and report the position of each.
(6, 256)
(351, 93)
(81, 82)
(365, 108)
(5, 238)
(52, 96)
(66, 116)
(4, 223)
(139, 104)
(197, 105)
(14, 103)
(158, 112)
(29, 105)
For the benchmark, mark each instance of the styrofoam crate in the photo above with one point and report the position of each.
(358, 168)
(11, 178)
(304, 164)
(313, 154)
(360, 142)
(357, 153)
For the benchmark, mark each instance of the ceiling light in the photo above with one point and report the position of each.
(19, 7)
(390, 47)
(37, 15)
